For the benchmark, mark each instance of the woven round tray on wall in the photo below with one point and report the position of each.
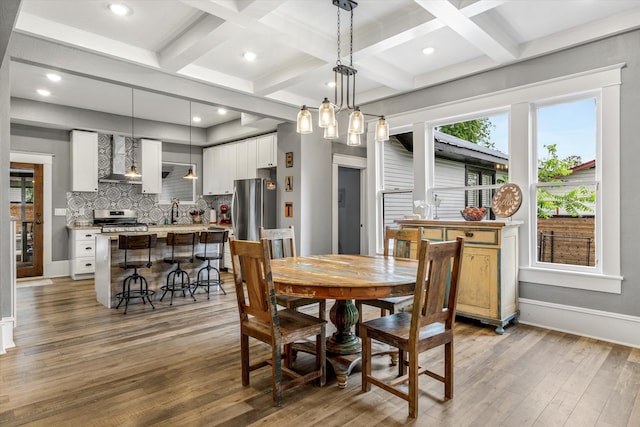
(506, 201)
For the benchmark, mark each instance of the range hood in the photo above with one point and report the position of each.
(118, 163)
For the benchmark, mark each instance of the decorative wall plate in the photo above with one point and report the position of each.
(506, 201)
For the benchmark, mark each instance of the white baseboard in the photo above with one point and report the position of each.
(6, 334)
(612, 327)
(56, 269)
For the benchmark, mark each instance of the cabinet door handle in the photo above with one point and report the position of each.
(88, 265)
(87, 235)
(88, 248)
(468, 234)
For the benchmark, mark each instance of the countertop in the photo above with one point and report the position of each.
(459, 223)
(161, 230)
(161, 227)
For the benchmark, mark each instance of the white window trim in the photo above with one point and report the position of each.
(533, 262)
(519, 99)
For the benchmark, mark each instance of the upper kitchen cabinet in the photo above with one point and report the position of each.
(246, 159)
(267, 151)
(219, 169)
(208, 170)
(84, 161)
(151, 164)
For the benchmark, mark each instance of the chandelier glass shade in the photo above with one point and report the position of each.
(304, 121)
(344, 79)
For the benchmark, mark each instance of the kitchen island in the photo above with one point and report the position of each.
(109, 275)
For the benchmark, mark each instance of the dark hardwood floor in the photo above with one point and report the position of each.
(79, 364)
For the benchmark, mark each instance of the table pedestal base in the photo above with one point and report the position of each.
(344, 316)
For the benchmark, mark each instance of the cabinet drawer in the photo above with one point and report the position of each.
(84, 265)
(489, 237)
(85, 248)
(87, 235)
(433, 234)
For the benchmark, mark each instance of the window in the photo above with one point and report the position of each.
(524, 127)
(470, 159)
(397, 182)
(174, 186)
(566, 185)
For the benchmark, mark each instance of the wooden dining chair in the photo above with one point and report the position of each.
(282, 243)
(399, 243)
(261, 319)
(428, 325)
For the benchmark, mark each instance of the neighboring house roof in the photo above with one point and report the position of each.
(454, 148)
(587, 165)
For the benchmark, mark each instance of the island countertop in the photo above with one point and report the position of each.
(109, 275)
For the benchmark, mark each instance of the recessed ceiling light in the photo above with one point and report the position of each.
(249, 56)
(222, 111)
(428, 50)
(54, 77)
(197, 119)
(119, 9)
(331, 84)
(43, 92)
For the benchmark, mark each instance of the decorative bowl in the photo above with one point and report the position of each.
(473, 214)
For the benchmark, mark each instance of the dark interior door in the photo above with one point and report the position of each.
(349, 226)
(26, 207)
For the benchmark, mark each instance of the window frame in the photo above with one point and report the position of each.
(535, 184)
(517, 100)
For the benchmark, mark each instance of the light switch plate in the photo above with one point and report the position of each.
(60, 212)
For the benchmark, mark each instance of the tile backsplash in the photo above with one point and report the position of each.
(80, 205)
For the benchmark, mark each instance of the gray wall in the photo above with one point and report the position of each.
(8, 13)
(623, 48)
(311, 195)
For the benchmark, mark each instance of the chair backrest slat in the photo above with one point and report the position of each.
(211, 240)
(402, 242)
(281, 241)
(256, 296)
(436, 284)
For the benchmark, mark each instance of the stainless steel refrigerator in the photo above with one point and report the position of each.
(253, 206)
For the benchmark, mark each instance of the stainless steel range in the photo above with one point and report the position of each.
(118, 221)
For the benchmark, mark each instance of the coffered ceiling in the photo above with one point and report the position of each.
(173, 51)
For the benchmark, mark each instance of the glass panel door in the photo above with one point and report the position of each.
(26, 206)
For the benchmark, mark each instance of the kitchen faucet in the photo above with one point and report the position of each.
(176, 213)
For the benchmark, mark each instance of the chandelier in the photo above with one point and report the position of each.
(344, 82)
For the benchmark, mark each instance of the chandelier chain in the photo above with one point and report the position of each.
(351, 42)
(338, 62)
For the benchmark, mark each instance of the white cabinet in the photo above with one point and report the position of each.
(219, 169)
(222, 164)
(84, 161)
(252, 158)
(227, 168)
(267, 151)
(241, 160)
(208, 170)
(83, 252)
(151, 164)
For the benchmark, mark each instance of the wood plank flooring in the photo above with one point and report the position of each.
(79, 364)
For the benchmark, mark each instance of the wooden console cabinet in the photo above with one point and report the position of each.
(488, 289)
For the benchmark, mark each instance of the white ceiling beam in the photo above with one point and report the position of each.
(385, 73)
(50, 30)
(492, 45)
(91, 65)
(196, 42)
(292, 74)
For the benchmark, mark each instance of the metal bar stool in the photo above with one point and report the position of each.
(176, 278)
(213, 250)
(135, 243)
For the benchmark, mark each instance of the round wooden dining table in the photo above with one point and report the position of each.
(344, 278)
